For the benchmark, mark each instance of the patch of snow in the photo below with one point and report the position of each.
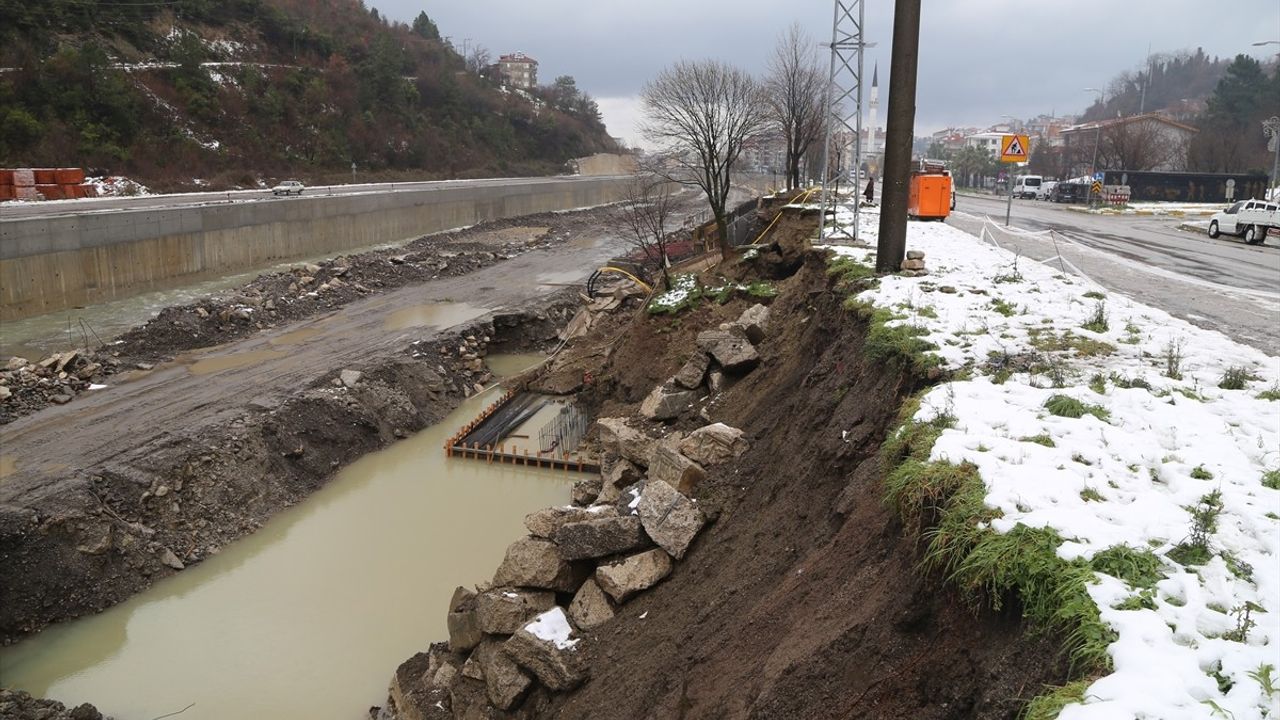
(1127, 480)
(96, 386)
(553, 627)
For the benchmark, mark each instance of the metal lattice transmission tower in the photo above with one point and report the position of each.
(841, 160)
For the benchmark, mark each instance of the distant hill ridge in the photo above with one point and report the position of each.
(235, 92)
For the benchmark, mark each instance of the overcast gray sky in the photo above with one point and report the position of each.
(979, 59)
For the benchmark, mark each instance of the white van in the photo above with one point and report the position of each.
(1027, 186)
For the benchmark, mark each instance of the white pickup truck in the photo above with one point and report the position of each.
(1249, 219)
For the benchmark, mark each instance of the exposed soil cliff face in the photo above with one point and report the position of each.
(805, 597)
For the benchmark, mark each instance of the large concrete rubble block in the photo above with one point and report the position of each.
(535, 563)
(693, 371)
(621, 473)
(754, 321)
(713, 444)
(504, 681)
(546, 648)
(732, 350)
(503, 611)
(600, 537)
(670, 518)
(624, 441)
(545, 522)
(669, 466)
(464, 630)
(641, 571)
(590, 607)
(667, 401)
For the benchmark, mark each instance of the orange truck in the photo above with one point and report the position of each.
(930, 192)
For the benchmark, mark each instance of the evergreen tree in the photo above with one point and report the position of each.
(426, 27)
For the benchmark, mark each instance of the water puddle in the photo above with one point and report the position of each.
(308, 617)
(296, 337)
(210, 365)
(508, 365)
(441, 315)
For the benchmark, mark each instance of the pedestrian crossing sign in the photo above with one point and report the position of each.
(1014, 148)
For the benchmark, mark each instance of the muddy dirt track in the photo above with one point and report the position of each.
(192, 392)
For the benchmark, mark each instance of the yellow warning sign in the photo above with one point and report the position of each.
(1014, 148)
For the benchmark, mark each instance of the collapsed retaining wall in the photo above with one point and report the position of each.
(52, 263)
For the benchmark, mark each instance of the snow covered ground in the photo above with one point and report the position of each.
(1157, 208)
(1160, 438)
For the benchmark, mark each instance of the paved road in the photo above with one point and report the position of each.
(1221, 284)
(54, 208)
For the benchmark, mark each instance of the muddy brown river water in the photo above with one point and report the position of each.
(309, 616)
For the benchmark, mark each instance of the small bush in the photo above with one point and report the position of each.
(1235, 378)
(1097, 321)
(1090, 495)
(1004, 307)
(1271, 479)
(1204, 523)
(1270, 394)
(1173, 359)
(1199, 473)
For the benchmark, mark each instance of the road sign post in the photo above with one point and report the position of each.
(1231, 189)
(1013, 149)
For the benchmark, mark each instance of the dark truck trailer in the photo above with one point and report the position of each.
(1186, 187)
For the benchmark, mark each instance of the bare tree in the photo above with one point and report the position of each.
(478, 59)
(795, 87)
(647, 206)
(702, 113)
(1139, 145)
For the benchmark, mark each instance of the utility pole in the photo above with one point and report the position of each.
(899, 135)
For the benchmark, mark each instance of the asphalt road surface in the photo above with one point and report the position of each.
(1221, 284)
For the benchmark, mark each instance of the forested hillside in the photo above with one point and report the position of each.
(237, 91)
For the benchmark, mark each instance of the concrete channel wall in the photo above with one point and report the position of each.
(52, 263)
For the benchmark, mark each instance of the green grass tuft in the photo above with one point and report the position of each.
(899, 343)
(1271, 394)
(1271, 479)
(1140, 568)
(1199, 473)
(1069, 407)
(1041, 439)
(1236, 377)
(1051, 703)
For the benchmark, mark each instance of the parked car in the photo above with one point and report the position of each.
(1045, 188)
(1068, 192)
(1027, 186)
(288, 187)
(1249, 219)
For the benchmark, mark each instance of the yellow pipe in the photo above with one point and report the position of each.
(633, 278)
(802, 197)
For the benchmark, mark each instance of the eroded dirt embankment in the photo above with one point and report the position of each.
(804, 598)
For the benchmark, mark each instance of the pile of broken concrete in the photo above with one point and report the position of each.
(721, 356)
(515, 640)
(55, 379)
